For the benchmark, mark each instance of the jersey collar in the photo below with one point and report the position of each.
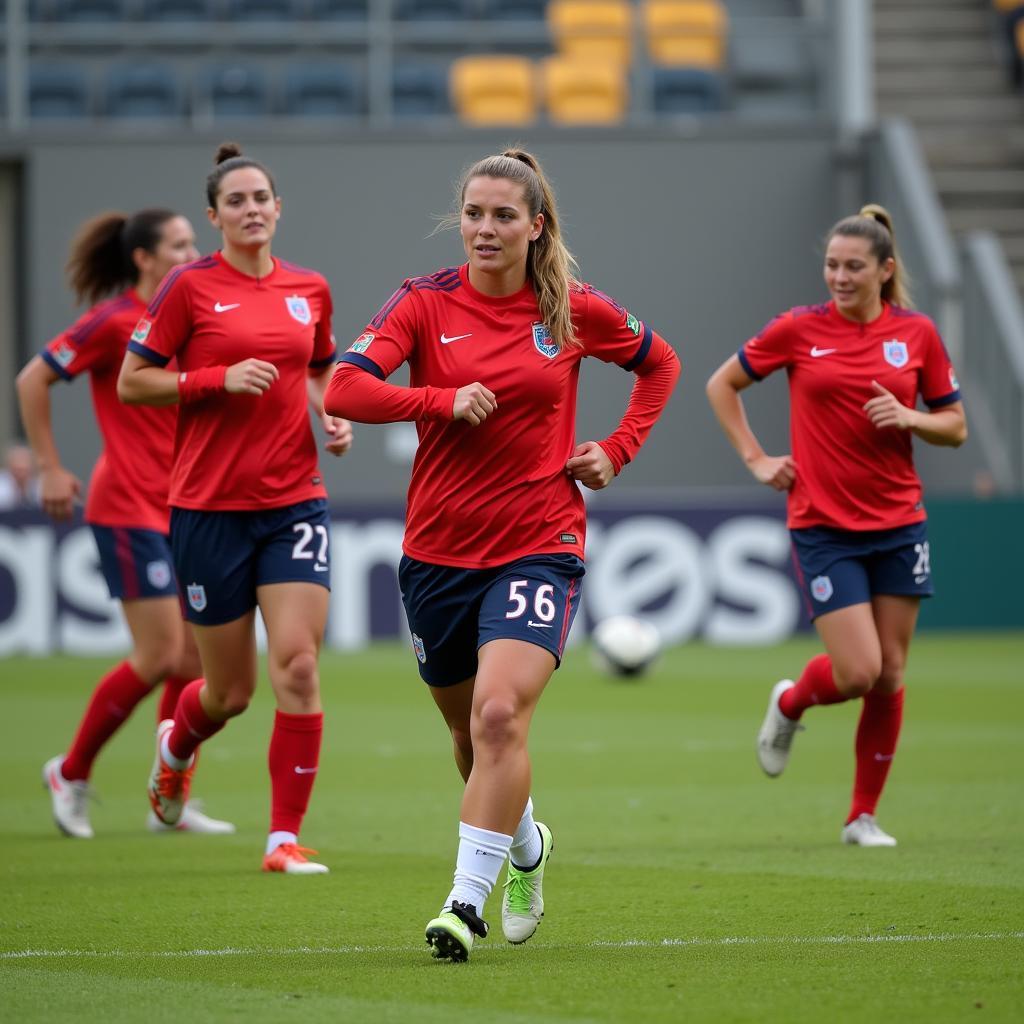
(526, 292)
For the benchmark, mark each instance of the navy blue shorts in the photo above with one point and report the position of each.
(222, 557)
(839, 568)
(453, 612)
(135, 563)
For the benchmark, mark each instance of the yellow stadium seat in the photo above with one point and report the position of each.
(1007, 5)
(488, 90)
(593, 29)
(686, 32)
(578, 91)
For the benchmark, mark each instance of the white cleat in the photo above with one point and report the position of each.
(192, 820)
(522, 906)
(291, 859)
(70, 800)
(864, 831)
(777, 731)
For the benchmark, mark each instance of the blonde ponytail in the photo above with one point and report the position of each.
(874, 223)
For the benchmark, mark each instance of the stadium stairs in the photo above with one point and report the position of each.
(938, 64)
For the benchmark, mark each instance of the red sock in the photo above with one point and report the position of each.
(173, 685)
(192, 725)
(294, 758)
(875, 747)
(815, 686)
(112, 702)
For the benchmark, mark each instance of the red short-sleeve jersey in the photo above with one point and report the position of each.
(238, 452)
(850, 474)
(486, 495)
(129, 482)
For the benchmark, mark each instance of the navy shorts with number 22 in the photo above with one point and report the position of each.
(222, 557)
(453, 612)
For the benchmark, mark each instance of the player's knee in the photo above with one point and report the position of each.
(229, 704)
(299, 675)
(155, 664)
(890, 679)
(496, 722)
(463, 740)
(856, 680)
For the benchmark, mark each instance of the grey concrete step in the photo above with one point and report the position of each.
(982, 181)
(1013, 245)
(1006, 109)
(993, 153)
(972, 80)
(930, 20)
(902, 51)
(995, 218)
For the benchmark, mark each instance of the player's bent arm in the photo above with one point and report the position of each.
(140, 382)
(58, 487)
(946, 426)
(358, 394)
(338, 430)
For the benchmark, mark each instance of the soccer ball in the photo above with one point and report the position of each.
(624, 645)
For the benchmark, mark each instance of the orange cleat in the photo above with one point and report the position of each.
(291, 859)
(168, 787)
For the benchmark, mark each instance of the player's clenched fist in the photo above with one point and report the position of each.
(250, 377)
(473, 403)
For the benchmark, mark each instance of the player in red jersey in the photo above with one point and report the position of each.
(856, 367)
(249, 523)
(127, 500)
(495, 521)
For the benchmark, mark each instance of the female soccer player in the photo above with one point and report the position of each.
(855, 366)
(495, 523)
(127, 502)
(249, 522)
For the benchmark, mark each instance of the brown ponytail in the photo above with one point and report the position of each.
(874, 223)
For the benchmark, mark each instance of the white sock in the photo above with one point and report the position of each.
(175, 762)
(527, 845)
(481, 857)
(275, 839)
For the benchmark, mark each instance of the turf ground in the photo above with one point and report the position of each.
(684, 885)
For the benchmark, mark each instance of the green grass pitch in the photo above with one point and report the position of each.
(684, 885)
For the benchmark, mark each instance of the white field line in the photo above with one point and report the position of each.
(735, 940)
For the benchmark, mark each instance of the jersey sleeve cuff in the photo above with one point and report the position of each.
(641, 352)
(149, 354)
(356, 359)
(51, 362)
(745, 363)
(938, 403)
(320, 364)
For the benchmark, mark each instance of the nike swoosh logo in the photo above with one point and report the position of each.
(538, 625)
(884, 757)
(458, 337)
(218, 308)
(920, 579)
(817, 353)
(320, 568)
(304, 771)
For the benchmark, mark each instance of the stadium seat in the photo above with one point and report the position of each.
(322, 90)
(514, 10)
(88, 10)
(419, 90)
(579, 91)
(178, 10)
(338, 10)
(143, 90)
(685, 33)
(686, 91)
(263, 10)
(493, 90)
(430, 10)
(57, 91)
(234, 90)
(597, 29)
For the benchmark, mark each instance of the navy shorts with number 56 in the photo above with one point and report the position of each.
(453, 612)
(222, 557)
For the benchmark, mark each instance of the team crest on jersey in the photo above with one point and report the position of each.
(142, 329)
(953, 382)
(158, 573)
(65, 354)
(542, 341)
(895, 352)
(633, 324)
(196, 593)
(821, 588)
(362, 343)
(420, 649)
(298, 306)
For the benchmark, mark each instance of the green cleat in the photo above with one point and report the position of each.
(522, 906)
(450, 934)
